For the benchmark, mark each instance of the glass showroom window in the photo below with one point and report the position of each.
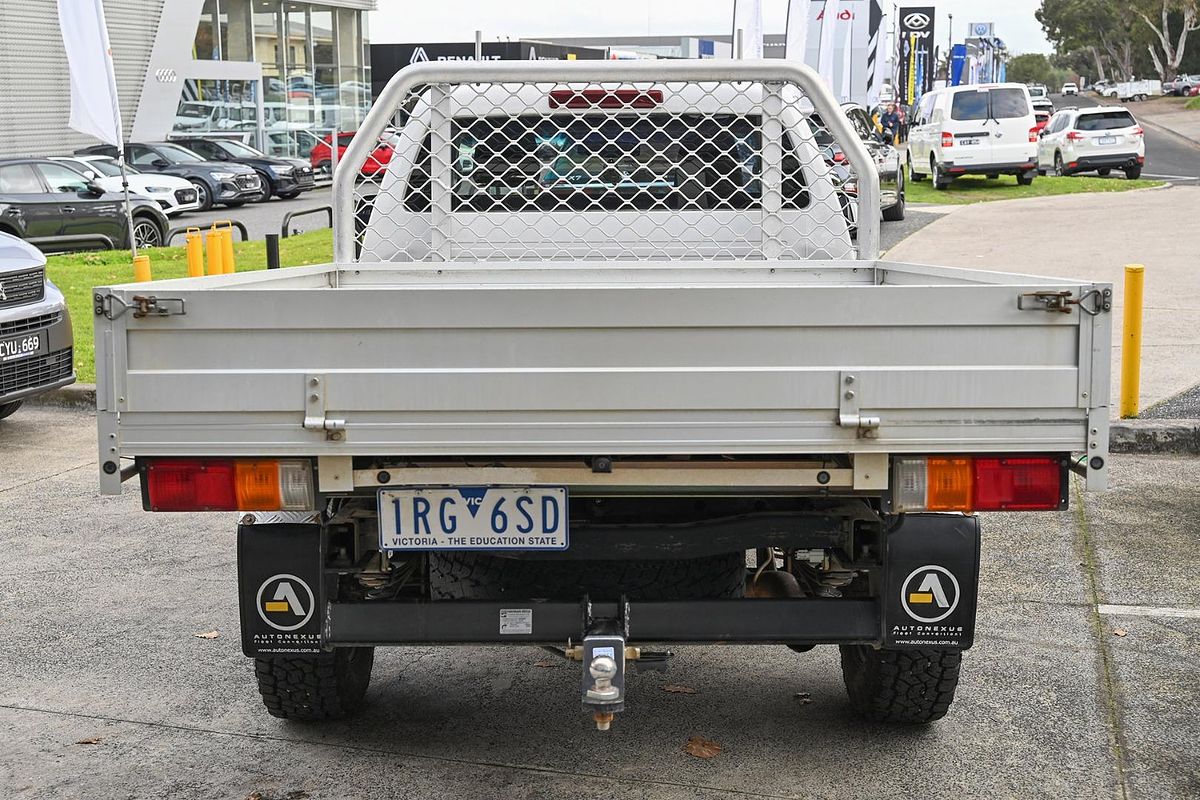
(217, 107)
(224, 32)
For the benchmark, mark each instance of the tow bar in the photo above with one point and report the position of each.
(604, 654)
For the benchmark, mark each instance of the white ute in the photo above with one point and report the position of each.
(598, 367)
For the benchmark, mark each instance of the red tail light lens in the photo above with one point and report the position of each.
(1018, 484)
(605, 98)
(994, 483)
(191, 485)
(1033, 133)
(1139, 131)
(947, 139)
(220, 484)
(1074, 136)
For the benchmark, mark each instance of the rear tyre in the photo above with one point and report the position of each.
(311, 688)
(993, 176)
(146, 232)
(940, 181)
(8, 409)
(475, 576)
(1104, 173)
(1025, 179)
(1133, 173)
(1060, 169)
(913, 175)
(906, 686)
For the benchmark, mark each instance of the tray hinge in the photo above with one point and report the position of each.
(314, 410)
(849, 415)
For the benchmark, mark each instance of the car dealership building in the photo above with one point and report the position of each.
(275, 73)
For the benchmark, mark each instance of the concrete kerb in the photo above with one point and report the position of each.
(77, 395)
(1180, 436)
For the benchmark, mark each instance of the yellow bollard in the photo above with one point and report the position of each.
(216, 251)
(195, 253)
(141, 269)
(227, 253)
(1131, 342)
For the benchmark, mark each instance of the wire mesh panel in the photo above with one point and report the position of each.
(557, 169)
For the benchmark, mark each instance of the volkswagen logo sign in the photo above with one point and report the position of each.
(916, 20)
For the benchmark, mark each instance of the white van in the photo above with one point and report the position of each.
(987, 129)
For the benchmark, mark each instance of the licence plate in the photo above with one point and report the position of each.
(1107, 140)
(473, 518)
(968, 141)
(27, 344)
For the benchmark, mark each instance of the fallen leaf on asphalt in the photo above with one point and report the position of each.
(803, 698)
(89, 740)
(700, 747)
(548, 664)
(207, 635)
(675, 688)
(1119, 631)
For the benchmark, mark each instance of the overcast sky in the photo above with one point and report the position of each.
(457, 20)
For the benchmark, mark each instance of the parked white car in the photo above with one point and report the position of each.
(1102, 138)
(173, 194)
(1070, 88)
(986, 129)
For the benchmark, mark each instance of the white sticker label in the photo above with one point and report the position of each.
(516, 620)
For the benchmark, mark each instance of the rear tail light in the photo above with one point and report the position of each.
(605, 98)
(1033, 133)
(947, 139)
(1026, 483)
(1074, 136)
(1139, 131)
(214, 484)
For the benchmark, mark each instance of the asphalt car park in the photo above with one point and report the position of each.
(122, 681)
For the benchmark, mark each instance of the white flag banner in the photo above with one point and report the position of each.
(847, 64)
(747, 17)
(796, 41)
(829, 23)
(94, 107)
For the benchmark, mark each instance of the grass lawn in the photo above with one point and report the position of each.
(76, 273)
(977, 188)
(1193, 103)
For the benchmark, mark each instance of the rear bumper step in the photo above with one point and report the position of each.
(760, 621)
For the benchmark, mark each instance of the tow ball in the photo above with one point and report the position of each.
(603, 655)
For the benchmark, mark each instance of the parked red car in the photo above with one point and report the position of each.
(322, 156)
(1040, 118)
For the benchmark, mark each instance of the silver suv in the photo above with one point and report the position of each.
(35, 328)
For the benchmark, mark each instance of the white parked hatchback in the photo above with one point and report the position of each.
(1102, 138)
(986, 129)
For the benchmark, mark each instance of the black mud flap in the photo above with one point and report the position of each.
(932, 582)
(280, 596)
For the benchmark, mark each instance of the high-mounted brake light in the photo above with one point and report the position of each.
(999, 483)
(215, 484)
(605, 98)
(947, 139)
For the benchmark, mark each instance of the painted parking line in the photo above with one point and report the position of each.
(1149, 611)
(1171, 177)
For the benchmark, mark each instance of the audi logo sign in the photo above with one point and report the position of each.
(916, 20)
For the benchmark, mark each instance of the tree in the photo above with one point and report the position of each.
(1186, 12)
(1031, 68)
(1110, 29)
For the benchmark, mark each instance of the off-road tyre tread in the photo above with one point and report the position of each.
(474, 576)
(313, 688)
(905, 686)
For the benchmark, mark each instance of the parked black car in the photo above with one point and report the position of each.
(35, 327)
(53, 206)
(215, 181)
(286, 177)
